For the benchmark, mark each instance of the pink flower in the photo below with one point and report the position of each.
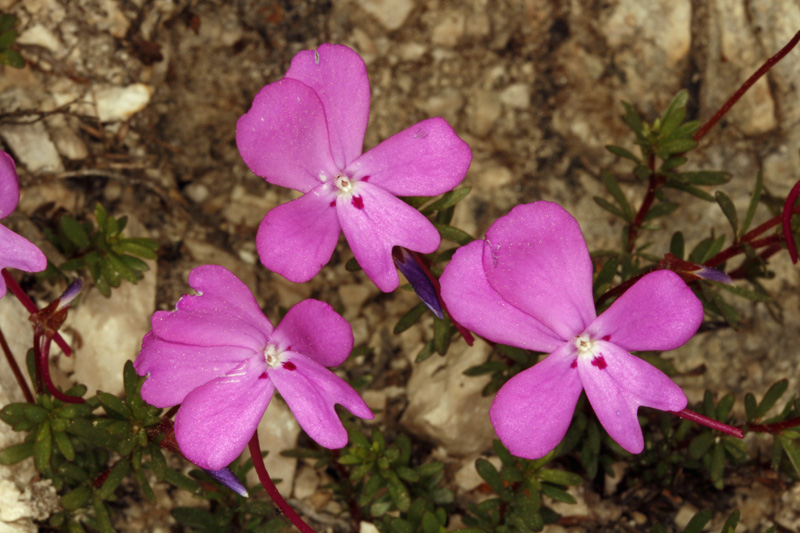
(529, 284)
(306, 132)
(220, 358)
(15, 251)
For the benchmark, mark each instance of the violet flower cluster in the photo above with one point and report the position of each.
(529, 284)
(15, 251)
(221, 359)
(306, 132)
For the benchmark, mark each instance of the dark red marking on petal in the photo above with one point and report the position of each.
(574, 364)
(263, 375)
(599, 362)
(333, 203)
(358, 202)
(288, 365)
(606, 338)
(365, 179)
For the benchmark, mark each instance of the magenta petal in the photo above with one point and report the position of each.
(374, 221)
(20, 253)
(618, 387)
(532, 411)
(537, 260)
(659, 312)
(215, 421)
(177, 369)
(339, 77)
(311, 391)
(297, 239)
(315, 330)
(424, 160)
(284, 137)
(9, 185)
(478, 307)
(223, 313)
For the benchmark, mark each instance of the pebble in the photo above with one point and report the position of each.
(449, 30)
(483, 111)
(390, 13)
(121, 103)
(684, 515)
(305, 482)
(516, 96)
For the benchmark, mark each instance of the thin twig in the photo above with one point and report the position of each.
(26, 391)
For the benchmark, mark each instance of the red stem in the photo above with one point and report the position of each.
(654, 183)
(786, 218)
(23, 298)
(768, 64)
(775, 427)
(42, 355)
(710, 422)
(272, 490)
(26, 391)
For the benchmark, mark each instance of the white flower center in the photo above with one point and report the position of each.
(585, 345)
(344, 184)
(273, 356)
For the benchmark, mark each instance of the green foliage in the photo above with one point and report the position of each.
(9, 56)
(109, 257)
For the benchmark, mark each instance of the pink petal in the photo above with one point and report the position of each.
(311, 391)
(215, 421)
(374, 221)
(20, 253)
(175, 370)
(617, 383)
(537, 260)
(339, 77)
(297, 239)
(659, 312)
(315, 330)
(223, 313)
(533, 410)
(9, 185)
(478, 307)
(284, 137)
(424, 160)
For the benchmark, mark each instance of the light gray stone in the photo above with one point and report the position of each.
(390, 13)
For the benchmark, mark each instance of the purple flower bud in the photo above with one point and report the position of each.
(70, 294)
(224, 476)
(712, 274)
(408, 264)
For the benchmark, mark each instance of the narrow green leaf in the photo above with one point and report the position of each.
(560, 477)
(717, 468)
(687, 129)
(74, 232)
(608, 206)
(181, 481)
(613, 188)
(124, 270)
(425, 352)
(750, 406)
(134, 263)
(399, 493)
(16, 453)
(157, 464)
(672, 163)
(690, 189)
(113, 405)
(12, 59)
(606, 274)
(676, 245)
(706, 177)
(127, 246)
(754, 199)
(489, 473)
(642, 172)
(622, 152)
(110, 274)
(410, 318)
(102, 217)
(675, 146)
(76, 498)
(115, 477)
(64, 445)
(449, 233)
(746, 293)
(441, 335)
(7, 38)
(698, 522)
(772, 395)
(560, 495)
(447, 200)
(660, 210)
(35, 413)
(731, 522)
(792, 452)
(7, 22)
(43, 448)
(102, 516)
(632, 119)
(724, 407)
(675, 113)
(430, 524)
(701, 444)
(728, 209)
(147, 490)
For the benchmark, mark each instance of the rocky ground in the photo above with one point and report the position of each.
(134, 103)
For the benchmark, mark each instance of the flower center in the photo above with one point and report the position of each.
(273, 357)
(344, 184)
(585, 345)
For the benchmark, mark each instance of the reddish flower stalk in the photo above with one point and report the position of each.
(272, 490)
(710, 422)
(655, 182)
(786, 218)
(25, 300)
(768, 64)
(775, 427)
(41, 349)
(26, 391)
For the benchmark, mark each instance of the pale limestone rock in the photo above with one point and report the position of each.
(68, 143)
(445, 104)
(367, 527)
(277, 431)
(390, 13)
(483, 111)
(305, 482)
(354, 296)
(445, 406)
(684, 515)
(113, 104)
(449, 30)
(38, 35)
(32, 147)
(516, 96)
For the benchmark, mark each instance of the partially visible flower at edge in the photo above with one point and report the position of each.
(306, 132)
(220, 358)
(15, 251)
(529, 284)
